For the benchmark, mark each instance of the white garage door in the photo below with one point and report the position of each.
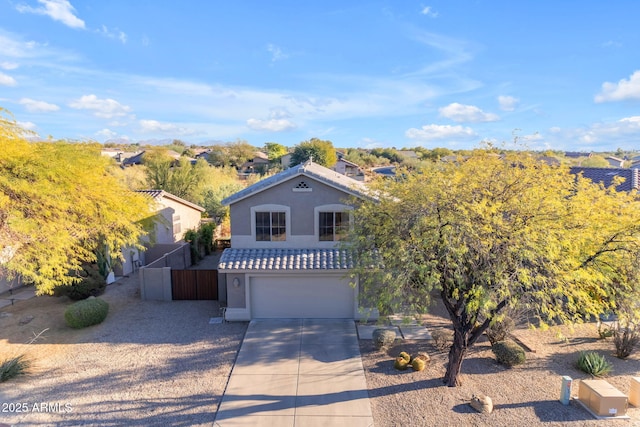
(301, 297)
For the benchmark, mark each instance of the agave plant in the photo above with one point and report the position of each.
(594, 364)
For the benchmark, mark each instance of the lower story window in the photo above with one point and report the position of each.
(333, 226)
(271, 227)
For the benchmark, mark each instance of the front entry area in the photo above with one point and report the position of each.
(302, 296)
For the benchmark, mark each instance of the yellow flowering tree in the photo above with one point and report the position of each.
(490, 232)
(60, 205)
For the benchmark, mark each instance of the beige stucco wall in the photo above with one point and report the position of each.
(301, 206)
(170, 211)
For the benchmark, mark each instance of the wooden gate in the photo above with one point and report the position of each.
(194, 284)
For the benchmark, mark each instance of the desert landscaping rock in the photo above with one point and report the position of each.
(163, 363)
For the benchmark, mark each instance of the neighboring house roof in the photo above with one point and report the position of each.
(614, 161)
(576, 154)
(284, 259)
(160, 194)
(606, 176)
(310, 169)
(347, 162)
(408, 153)
(135, 159)
(550, 160)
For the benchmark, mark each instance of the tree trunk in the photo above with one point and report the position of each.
(456, 356)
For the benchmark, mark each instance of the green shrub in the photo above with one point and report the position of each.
(11, 368)
(604, 331)
(442, 339)
(401, 363)
(500, 330)
(91, 283)
(625, 338)
(383, 338)
(86, 313)
(593, 363)
(509, 353)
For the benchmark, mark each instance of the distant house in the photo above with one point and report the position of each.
(409, 154)
(258, 164)
(138, 158)
(285, 161)
(350, 169)
(284, 259)
(549, 160)
(173, 217)
(134, 159)
(115, 153)
(606, 176)
(615, 161)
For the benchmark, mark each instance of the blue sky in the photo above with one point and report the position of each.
(558, 74)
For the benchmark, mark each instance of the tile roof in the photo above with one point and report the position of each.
(159, 194)
(606, 176)
(310, 169)
(285, 260)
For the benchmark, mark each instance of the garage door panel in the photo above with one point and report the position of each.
(301, 297)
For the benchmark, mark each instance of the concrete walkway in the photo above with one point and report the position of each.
(297, 373)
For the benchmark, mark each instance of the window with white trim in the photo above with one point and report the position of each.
(333, 226)
(271, 226)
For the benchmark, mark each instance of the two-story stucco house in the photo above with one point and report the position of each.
(285, 260)
(173, 216)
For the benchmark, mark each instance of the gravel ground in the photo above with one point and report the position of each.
(526, 395)
(162, 363)
(148, 363)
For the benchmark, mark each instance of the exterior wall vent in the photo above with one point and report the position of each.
(302, 186)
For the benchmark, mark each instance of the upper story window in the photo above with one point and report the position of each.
(333, 226)
(271, 226)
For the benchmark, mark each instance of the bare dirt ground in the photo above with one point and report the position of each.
(162, 363)
(526, 395)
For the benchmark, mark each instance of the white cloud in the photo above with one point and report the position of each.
(466, 113)
(8, 65)
(623, 90)
(154, 126)
(623, 132)
(438, 132)
(276, 53)
(34, 106)
(7, 80)
(113, 34)
(428, 11)
(103, 108)
(508, 103)
(58, 10)
(271, 125)
(107, 133)
(27, 125)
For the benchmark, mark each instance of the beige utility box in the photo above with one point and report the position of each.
(602, 398)
(634, 392)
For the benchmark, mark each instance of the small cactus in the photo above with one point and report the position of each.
(401, 363)
(418, 364)
(405, 356)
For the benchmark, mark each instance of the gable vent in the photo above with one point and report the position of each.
(302, 186)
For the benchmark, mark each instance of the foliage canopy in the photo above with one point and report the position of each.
(492, 232)
(322, 152)
(60, 202)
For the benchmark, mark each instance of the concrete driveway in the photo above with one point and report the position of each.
(297, 372)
